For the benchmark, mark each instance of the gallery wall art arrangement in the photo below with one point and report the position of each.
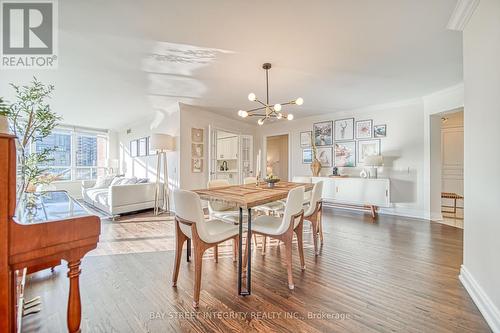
(342, 143)
(197, 150)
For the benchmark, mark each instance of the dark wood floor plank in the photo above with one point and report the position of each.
(395, 275)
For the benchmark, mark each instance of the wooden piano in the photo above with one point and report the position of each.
(45, 229)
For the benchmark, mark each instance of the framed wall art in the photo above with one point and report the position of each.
(345, 154)
(324, 156)
(344, 129)
(305, 139)
(368, 148)
(380, 131)
(307, 156)
(197, 135)
(364, 129)
(323, 133)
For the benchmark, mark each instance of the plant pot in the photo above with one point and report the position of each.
(315, 168)
(4, 125)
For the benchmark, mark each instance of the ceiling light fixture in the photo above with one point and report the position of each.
(270, 111)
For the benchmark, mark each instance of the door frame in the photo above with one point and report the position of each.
(264, 151)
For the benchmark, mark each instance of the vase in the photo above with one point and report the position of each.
(315, 168)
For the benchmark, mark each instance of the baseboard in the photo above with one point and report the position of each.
(489, 311)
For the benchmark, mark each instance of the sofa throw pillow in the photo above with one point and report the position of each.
(117, 181)
(129, 181)
(142, 180)
(103, 181)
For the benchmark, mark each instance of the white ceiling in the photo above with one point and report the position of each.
(120, 60)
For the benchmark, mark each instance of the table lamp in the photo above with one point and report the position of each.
(374, 161)
(162, 143)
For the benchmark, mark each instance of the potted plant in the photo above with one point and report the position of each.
(31, 119)
(315, 165)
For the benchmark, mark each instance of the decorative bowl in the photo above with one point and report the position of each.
(271, 181)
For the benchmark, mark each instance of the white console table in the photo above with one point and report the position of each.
(356, 193)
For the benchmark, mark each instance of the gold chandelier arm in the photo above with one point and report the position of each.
(256, 109)
(262, 103)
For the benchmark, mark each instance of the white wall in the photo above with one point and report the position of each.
(403, 149)
(166, 121)
(481, 268)
(197, 117)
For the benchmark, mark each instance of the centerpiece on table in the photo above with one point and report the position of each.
(271, 180)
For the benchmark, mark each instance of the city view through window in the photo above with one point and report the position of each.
(75, 155)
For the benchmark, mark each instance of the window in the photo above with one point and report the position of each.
(77, 155)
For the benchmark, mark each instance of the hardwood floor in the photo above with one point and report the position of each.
(394, 275)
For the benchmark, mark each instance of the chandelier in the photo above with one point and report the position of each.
(266, 110)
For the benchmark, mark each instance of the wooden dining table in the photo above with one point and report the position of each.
(247, 197)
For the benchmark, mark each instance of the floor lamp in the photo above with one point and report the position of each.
(162, 143)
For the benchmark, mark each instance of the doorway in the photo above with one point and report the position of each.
(277, 156)
(447, 167)
(230, 156)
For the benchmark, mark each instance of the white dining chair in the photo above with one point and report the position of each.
(313, 212)
(282, 228)
(190, 224)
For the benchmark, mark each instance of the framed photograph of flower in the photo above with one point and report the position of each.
(345, 154)
(364, 129)
(344, 129)
(323, 133)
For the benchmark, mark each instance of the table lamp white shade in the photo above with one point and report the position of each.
(374, 160)
(162, 142)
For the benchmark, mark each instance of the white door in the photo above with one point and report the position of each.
(246, 156)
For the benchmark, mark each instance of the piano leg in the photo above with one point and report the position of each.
(74, 304)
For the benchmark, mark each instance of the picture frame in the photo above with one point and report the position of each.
(142, 147)
(345, 154)
(324, 156)
(150, 152)
(133, 148)
(323, 133)
(306, 139)
(307, 156)
(196, 165)
(380, 131)
(197, 150)
(197, 135)
(344, 129)
(364, 129)
(367, 148)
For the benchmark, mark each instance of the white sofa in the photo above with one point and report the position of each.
(119, 199)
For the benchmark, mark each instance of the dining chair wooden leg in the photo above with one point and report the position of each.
(198, 260)
(300, 244)
(255, 241)
(315, 234)
(216, 253)
(321, 231)
(180, 238)
(264, 241)
(288, 250)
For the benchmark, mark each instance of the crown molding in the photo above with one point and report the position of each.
(461, 14)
